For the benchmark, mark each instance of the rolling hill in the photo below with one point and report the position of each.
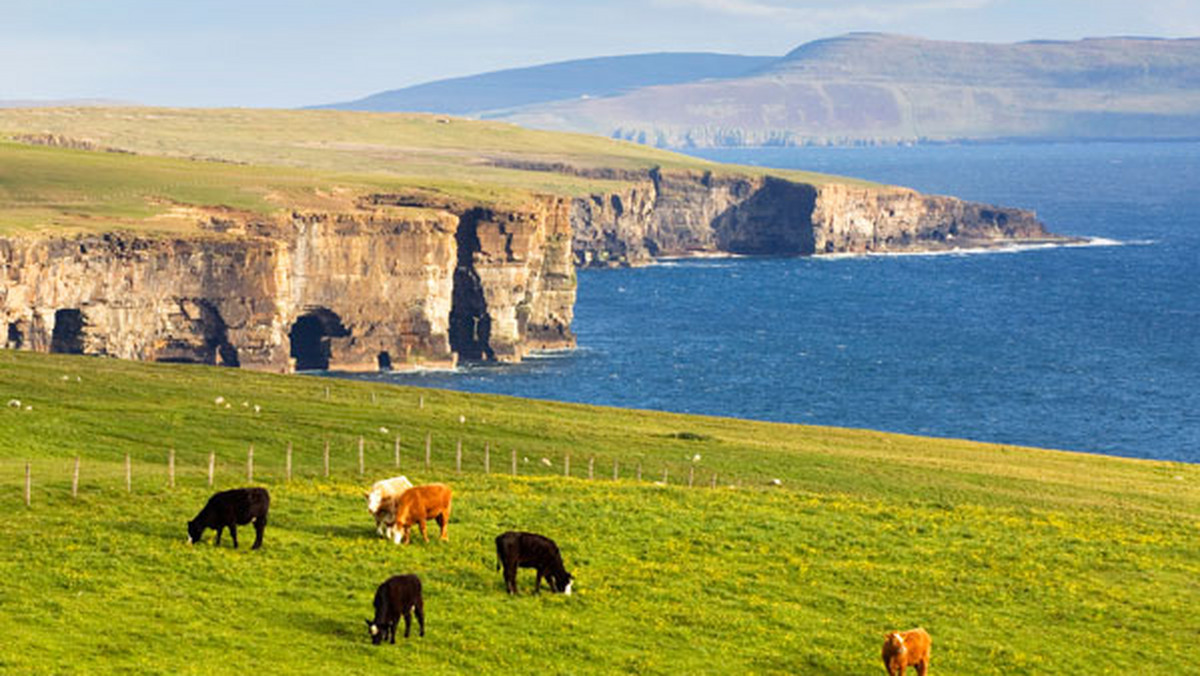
(867, 88)
(582, 78)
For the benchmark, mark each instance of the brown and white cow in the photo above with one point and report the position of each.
(415, 506)
(903, 649)
(384, 488)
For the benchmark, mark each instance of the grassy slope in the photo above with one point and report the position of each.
(1016, 560)
(296, 157)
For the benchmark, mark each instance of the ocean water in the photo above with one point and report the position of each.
(1093, 348)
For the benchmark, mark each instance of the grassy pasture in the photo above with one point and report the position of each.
(272, 160)
(1016, 560)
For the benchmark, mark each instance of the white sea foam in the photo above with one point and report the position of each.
(989, 250)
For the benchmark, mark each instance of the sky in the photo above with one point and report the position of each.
(291, 53)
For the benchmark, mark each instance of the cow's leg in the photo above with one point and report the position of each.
(407, 622)
(510, 578)
(922, 667)
(537, 583)
(217, 540)
(441, 521)
(233, 534)
(420, 609)
(260, 525)
(406, 534)
(424, 535)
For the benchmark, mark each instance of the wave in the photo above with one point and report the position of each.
(990, 250)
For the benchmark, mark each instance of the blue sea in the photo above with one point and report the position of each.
(1093, 349)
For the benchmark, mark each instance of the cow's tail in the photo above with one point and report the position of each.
(499, 554)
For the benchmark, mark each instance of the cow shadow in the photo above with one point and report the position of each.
(351, 532)
(348, 628)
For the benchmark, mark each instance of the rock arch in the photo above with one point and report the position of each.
(309, 338)
(67, 335)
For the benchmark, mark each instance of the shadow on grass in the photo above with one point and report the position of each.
(357, 532)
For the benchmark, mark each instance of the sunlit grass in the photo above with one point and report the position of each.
(264, 161)
(1016, 560)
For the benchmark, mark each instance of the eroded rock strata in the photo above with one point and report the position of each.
(688, 213)
(311, 291)
(390, 285)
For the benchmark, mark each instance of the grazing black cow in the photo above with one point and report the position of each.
(230, 508)
(400, 595)
(530, 550)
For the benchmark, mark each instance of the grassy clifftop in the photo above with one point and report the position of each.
(1016, 560)
(270, 160)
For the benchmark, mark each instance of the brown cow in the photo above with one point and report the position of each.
(903, 649)
(415, 506)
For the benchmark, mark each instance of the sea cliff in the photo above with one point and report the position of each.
(684, 213)
(404, 281)
(348, 291)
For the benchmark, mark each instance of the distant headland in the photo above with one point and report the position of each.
(857, 89)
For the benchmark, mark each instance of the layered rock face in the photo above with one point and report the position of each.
(389, 286)
(689, 213)
(357, 291)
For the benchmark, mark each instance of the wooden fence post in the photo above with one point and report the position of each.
(639, 470)
(170, 469)
(128, 475)
(372, 397)
(288, 470)
(458, 457)
(326, 393)
(250, 464)
(714, 480)
(514, 462)
(616, 470)
(567, 464)
(75, 480)
(28, 484)
(421, 401)
(361, 468)
(212, 461)
(691, 475)
(664, 475)
(591, 467)
(487, 457)
(428, 450)
(326, 457)
(397, 451)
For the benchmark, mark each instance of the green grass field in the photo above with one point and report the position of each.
(1017, 561)
(265, 161)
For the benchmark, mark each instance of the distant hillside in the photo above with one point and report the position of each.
(866, 88)
(606, 76)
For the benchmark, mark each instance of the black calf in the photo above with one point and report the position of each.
(400, 595)
(530, 550)
(230, 508)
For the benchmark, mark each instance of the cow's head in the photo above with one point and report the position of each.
(379, 632)
(195, 530)
(562, 582)
(374, 498)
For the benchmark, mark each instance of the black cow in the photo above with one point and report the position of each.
(530, 550)
(230, 508)
(400, 595)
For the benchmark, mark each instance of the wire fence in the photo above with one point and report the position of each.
(362, 461)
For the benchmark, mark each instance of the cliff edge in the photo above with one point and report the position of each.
(288, 241)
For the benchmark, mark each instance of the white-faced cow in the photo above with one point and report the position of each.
(399, 595)
(232, 508)
(385, 489)
(530, 550)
